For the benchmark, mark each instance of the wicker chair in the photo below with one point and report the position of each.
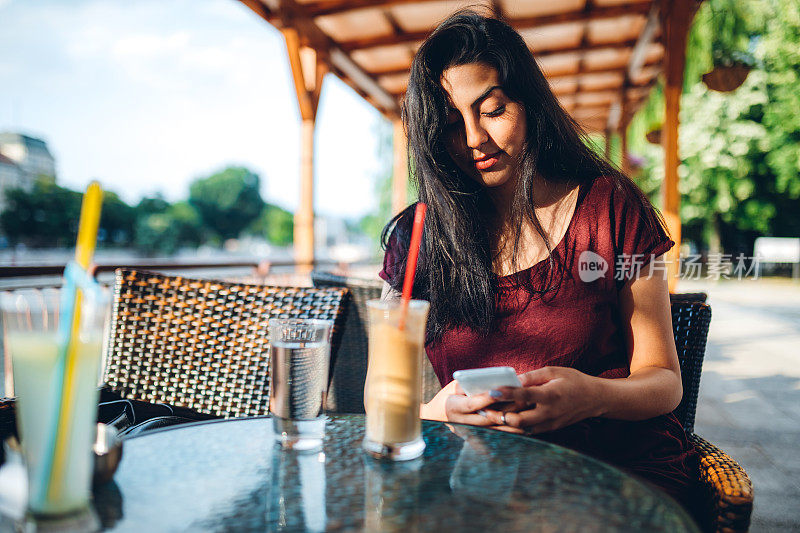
(699, 297)
(203, 344)
(730, 492)
(346, 394)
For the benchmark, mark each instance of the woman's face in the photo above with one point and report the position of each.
(486, 130)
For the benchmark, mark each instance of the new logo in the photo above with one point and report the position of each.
(591, 266)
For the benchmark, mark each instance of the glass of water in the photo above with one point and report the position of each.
(299, 362)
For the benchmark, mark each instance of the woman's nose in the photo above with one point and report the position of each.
(476, 134)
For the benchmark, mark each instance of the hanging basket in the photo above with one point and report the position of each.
(654, 136)
(726, 78)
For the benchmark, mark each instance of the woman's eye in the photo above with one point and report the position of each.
(496, 113)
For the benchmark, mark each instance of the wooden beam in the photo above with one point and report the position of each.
(518, 24)
(344, 63)
(259, 8)
(639, 53)
(332, 7)
(291, 16)
(308, 107)
(400, 173)
(571, 49)
(676, 18)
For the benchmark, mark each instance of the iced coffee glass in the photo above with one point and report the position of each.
(393, 389)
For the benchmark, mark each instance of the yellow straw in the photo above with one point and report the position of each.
(84, 250)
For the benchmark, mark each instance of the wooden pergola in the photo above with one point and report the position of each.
(602, 57)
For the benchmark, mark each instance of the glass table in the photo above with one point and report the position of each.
(229, 476)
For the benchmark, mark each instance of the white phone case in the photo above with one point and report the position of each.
(479, 380)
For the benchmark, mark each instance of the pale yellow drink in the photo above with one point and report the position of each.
(34, 358)
(393, 391)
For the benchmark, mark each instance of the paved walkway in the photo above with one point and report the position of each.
(749, 402)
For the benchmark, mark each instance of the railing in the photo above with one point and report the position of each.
(277, 272)
(32, 276)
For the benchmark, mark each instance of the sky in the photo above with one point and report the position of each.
(147, 96)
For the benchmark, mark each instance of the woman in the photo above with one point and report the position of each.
(539, 255)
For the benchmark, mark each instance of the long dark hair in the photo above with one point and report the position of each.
(455, 269)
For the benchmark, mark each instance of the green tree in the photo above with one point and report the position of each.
(117, 221)
(740, 151)
(151, 204)
(45, 216)
(373, 223)
(275, 224)
(227, 201)
(167, 231)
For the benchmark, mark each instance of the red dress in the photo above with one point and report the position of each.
(579, 326)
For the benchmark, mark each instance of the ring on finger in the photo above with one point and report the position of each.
(503, 419)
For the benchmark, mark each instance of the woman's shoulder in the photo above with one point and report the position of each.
(395, 241)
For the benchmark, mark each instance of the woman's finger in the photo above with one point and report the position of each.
(540, 376)
(520, 397)
(509, 429)
(465, 409)
(528, 417)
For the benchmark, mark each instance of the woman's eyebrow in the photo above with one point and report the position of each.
(484, 95)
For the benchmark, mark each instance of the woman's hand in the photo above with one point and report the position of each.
(451, 405)
(550, 398)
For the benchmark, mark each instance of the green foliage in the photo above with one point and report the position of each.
(274, 224)
(227, 201)
(45, 216)
(117, 220)
(167, 231)
(740, 151)
(373, 223)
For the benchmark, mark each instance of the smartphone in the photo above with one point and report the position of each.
(479, 380)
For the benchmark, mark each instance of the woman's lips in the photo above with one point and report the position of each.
(485, 163)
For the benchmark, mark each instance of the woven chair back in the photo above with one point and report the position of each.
(346, 394)
(699, 297)
(690, 322)
(203, 344)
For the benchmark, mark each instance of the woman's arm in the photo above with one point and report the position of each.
(563, 396)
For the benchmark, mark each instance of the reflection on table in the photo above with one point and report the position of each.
(229, 476)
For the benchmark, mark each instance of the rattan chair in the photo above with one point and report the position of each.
(729, 489)
(699, 297)
(346, 394)
(203, 344)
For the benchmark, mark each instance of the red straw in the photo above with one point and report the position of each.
(411, 264)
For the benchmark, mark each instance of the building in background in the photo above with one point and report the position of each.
(23, 159)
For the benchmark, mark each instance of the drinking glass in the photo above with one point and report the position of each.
(56, 429)
(299, 362)
(393, 391)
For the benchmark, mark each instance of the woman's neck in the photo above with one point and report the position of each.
(553, 203)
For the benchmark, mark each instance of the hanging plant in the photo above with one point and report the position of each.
(729, 72)
(654, 136)
(731, 63)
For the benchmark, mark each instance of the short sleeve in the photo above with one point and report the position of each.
(391, 260)
(397, 249)
(639, 235)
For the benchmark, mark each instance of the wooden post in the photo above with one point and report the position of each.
(625, 162)
(304, 216)
(676, 18)
(624, 122)
(400, 171)
(308, 72)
